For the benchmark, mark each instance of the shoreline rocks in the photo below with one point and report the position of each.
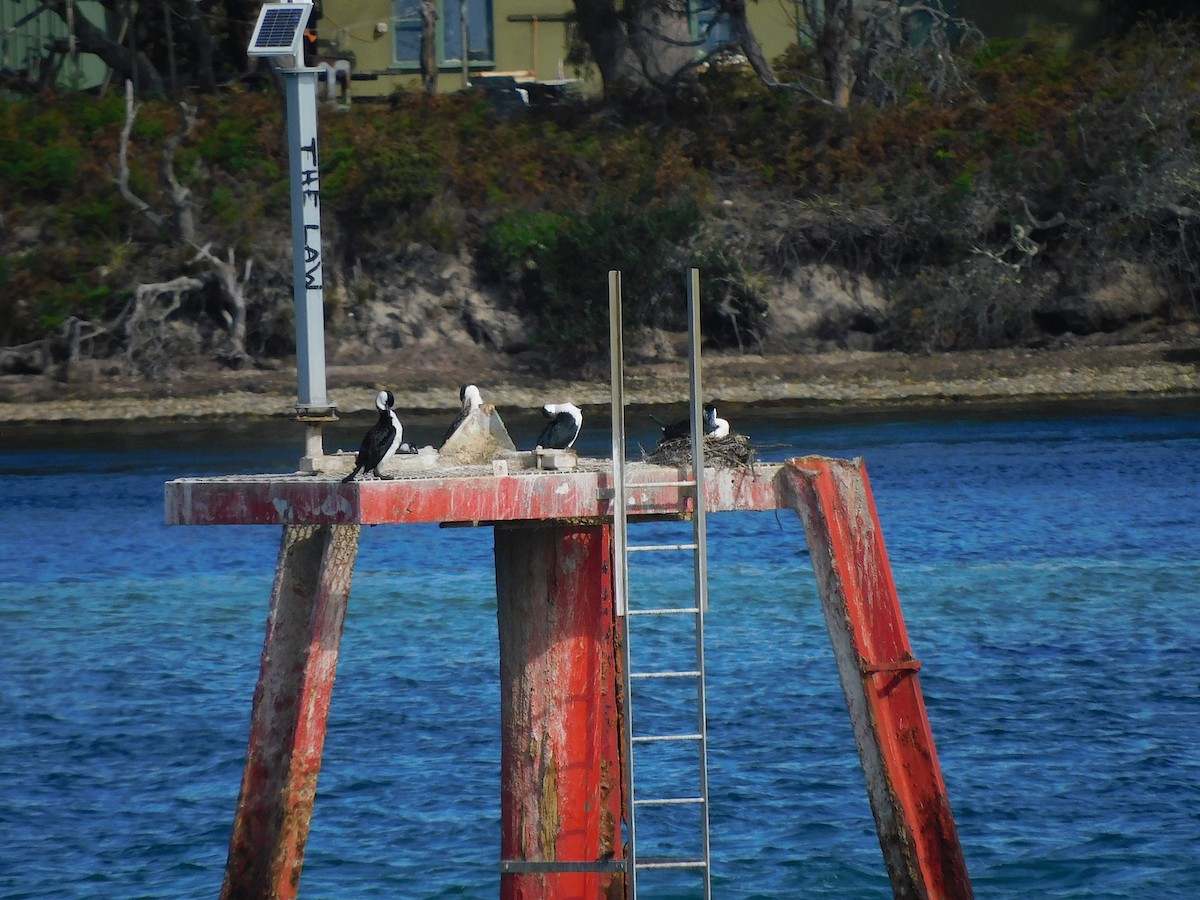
(848, 380)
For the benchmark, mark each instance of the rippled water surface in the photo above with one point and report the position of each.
(1048, 565)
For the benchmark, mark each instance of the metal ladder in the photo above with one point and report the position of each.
(638, 679)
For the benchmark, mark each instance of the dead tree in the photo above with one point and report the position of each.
(147, 343)
(75, 333)
(182, 223)
(877, 49)
(233, 288)
(181, 226)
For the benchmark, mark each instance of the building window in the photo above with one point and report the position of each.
(711, 28)
(406, 17)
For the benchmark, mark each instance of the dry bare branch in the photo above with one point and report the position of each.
(145, 321)
(182, 221)
(122, 180)
(233, 288)
(879, 49)
(179, 196)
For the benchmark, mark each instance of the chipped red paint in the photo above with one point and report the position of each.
(560, 778)
(291, 706)
(879, 678)
(299, 499)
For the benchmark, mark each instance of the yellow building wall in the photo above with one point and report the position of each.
(530, 43)
(538, 46)
(360, 30)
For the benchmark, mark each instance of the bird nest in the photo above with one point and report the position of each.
(730, 452)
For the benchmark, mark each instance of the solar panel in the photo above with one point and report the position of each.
(280, 29)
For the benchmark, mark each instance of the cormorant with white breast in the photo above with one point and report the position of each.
(381, 441)
(565, 422)
(471, 401)
(713, 426)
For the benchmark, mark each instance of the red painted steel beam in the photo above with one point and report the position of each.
(291, 706)
(527, 496)
(879, 678)
(561, 784)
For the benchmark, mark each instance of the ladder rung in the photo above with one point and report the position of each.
(693, 674)
(535, 867)
(666, 862)
(643, 548)
(668, 801)
(667, 611)
(649, 738)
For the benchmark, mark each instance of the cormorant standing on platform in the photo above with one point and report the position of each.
(565, 422)
(381, 441)
(471, 401)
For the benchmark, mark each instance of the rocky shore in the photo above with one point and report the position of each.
(839, 380)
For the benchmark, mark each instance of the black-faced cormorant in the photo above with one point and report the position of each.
(381, 441)
(565, 421)
(713, 427)
(471, 401)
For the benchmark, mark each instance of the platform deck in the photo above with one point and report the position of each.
(465, 494)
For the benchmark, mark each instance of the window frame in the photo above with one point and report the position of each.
(445, 63)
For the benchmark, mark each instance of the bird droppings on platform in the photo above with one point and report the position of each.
(458, 494)
(477, 437)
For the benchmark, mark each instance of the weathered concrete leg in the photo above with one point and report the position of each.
(879, 678)
(560, 778)
(291, 705)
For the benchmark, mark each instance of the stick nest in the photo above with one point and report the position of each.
(730, 452)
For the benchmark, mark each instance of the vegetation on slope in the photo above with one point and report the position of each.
(1045, 168)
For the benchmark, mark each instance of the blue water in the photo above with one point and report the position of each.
(1047, 563)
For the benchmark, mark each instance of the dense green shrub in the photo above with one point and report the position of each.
(560, 265)
(41, 154)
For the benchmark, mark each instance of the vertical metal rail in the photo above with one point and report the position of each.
(620, 573)
(699, 557)
(697, 413)
(617, 375)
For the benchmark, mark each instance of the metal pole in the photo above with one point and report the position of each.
(620, 565)
(697, 414)
(616, 374)
(308, 288)
(700, 567)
